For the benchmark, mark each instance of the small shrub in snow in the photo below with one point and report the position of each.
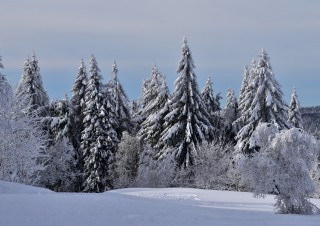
(154, 173)
(212, 169)
(127, 161)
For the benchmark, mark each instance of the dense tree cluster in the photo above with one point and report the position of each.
(97, 141)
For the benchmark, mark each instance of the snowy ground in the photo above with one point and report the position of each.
(29, 206)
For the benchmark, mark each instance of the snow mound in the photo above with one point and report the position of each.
(14, 188)
(205, 198)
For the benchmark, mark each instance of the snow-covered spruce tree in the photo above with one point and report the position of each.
(230, 116)
(99, 138)
(138, 114)
(1, 64)
(127, 161)
(154, 87)
(188, 122)
(246, 92)
(135, 117)
(283, 167)
(61, 172)
(30, 94)
(212, 103)
(5, 90)
(58, 119)
(218, 100)
(76, 116)
(209, 99)
(263, 102)
(245, 83)
(77, 108)
(122, 109)
(155, 109)
(145, 96)
(294, 111)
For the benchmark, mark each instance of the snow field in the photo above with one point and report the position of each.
(30, 206)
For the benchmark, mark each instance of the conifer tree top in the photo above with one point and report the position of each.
(294, 111)
(208, 86)
(253, 63)
(1, 65)
(294, 104)
(30, 93)
(115, 69)
(155, 69)
(264, 60)
(186, 60)
(82, 65)
(94, 68)
(81, 80)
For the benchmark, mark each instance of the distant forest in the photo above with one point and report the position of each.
(97, 141)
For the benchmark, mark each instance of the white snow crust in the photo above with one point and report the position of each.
(30, 206)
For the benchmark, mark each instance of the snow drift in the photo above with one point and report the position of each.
(30, 206)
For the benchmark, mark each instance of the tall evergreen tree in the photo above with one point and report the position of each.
(99, 138)
(59, 118)
(212, 103)
(156, 108)
(188, 122)
(77, 106)
(209, 99)
(231, 108)
(263, 102)
(121, 100)
(62, 172)
(30, 94)
(5, 90)
(138, 114)
(245, 83)
(1, 64)
(230, 115)
(246, 92)
(145, 97)
(294, 111)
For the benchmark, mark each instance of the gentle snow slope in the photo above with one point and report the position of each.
(25, 205)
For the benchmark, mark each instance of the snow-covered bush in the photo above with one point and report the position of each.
(21, 145)
(153, 173)
(263, 136)
(5, 90)
(59, 173)
(283, 168)
(212, 169)
(127, 161)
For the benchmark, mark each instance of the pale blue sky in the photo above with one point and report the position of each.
(223, 35)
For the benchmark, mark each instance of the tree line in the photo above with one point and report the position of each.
(98, 140)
